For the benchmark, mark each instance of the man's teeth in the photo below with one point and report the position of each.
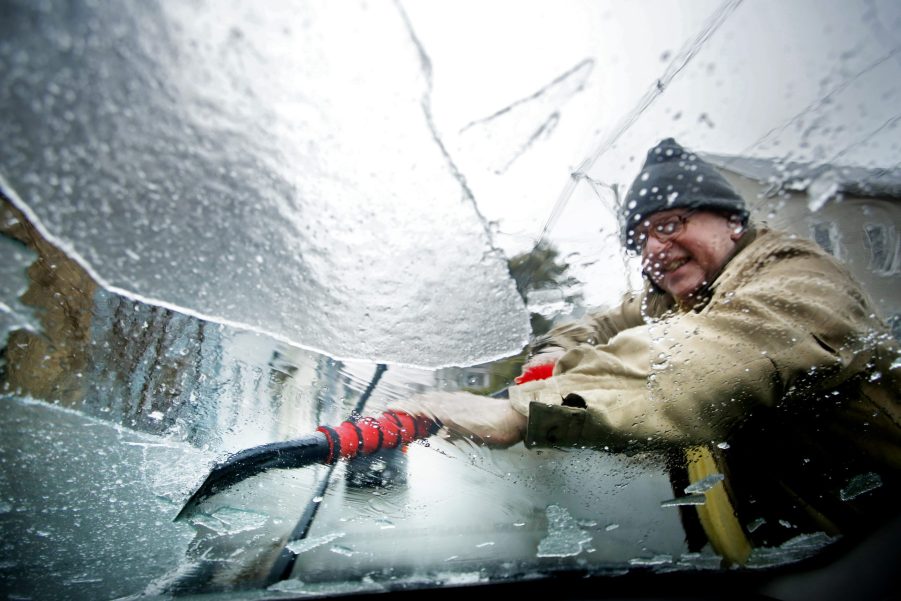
(674, 264)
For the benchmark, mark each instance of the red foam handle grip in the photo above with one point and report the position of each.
(368, 435)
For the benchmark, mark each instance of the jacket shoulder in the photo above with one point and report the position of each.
(773, 247)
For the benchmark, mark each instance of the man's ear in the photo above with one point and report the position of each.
(737, 228)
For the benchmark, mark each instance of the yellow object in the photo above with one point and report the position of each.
(717, 514)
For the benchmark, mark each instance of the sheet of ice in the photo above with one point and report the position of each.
(705, 484)
(564, 537)
(260, 168)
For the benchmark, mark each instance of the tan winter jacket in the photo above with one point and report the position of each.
(785, 323)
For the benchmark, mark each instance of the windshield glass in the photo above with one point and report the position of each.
(225, 226)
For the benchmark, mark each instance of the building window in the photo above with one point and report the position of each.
(825, 233)
(884, 246)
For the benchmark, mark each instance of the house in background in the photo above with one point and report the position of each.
(852, 212)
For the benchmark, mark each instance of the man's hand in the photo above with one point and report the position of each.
(487, 420)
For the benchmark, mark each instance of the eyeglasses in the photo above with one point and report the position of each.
(663, 230)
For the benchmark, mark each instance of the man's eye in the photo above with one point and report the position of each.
(666, 228)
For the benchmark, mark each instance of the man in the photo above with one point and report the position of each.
(750, 353)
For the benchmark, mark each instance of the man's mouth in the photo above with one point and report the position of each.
(673, 264)
(663, 266)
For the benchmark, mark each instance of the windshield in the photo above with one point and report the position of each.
(225, 226)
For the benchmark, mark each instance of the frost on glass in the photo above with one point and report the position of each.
(81, 499)
(258, 168)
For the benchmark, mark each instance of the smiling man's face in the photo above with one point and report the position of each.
(683, 250)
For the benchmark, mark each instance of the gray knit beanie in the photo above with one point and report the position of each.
(672, 178)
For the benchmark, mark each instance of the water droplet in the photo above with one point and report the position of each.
(662, 362)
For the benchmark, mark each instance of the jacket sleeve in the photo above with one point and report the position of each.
(776, 327)
(594, 328)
